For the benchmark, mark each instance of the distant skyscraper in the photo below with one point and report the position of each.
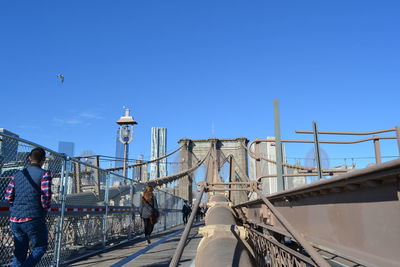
(158, 149)
(66, 148)
(266, 150)
(270, 185)
(8, 147)
(140, 172)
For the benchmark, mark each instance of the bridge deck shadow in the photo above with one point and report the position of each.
(158, 256)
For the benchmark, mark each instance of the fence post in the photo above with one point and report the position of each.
(176, 205)
(77, 179)
(105, 218)
(179, 214)
(96, 163)
(132, 213)
(61, 197)
(258, 170)
(398, 137)
(278, 147)
(377, 148)
(165, 210)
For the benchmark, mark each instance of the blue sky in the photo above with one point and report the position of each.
(192, 66)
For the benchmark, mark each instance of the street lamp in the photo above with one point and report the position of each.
(126, 124)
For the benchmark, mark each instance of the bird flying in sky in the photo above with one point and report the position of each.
(61, 77)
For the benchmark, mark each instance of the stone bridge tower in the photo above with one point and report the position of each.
(195, 150)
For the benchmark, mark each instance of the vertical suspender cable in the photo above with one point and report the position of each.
(179, 250)
(317, 151)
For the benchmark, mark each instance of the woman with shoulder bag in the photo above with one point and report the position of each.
(149, 211)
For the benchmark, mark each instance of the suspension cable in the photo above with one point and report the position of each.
(252, 155)
(145, 163)
(171, 178)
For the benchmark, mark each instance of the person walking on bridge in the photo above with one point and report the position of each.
(186, 210)
(149, 211)
(29, 195)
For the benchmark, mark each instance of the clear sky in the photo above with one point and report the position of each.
(195, 66)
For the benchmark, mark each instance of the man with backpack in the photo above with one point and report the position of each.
(29, 195)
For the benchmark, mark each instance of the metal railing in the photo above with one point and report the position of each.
(282, 225)
(92, 208)
(296, 170)
(297, 236)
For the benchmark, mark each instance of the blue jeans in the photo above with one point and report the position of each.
(34, 231)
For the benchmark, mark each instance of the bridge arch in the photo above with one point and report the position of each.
(193, 150)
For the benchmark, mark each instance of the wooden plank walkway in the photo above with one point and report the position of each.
(139, 253)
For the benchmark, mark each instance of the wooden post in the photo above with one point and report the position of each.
(377, 148)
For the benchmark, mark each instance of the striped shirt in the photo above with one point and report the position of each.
(45, 195)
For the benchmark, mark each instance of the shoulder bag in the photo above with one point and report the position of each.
(154, 215)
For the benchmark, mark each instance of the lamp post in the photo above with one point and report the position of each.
(126, 124)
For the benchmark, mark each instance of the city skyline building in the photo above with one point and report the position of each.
(8, 147)
(140, 172)
(158, 149)
(67, 148)
(268, 150)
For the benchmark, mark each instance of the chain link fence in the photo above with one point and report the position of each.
(91, 209)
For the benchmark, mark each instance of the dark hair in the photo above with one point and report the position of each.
(37, 154)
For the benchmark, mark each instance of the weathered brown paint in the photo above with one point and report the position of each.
(357, 216)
